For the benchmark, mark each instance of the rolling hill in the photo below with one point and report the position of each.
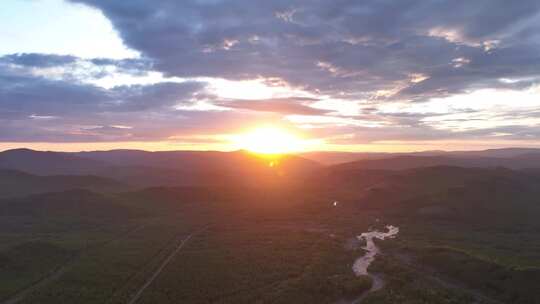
(405, 162)
(49, 163)
(335, 158)
(17, 183)
(173, 168)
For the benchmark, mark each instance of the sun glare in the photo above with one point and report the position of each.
(269, 140)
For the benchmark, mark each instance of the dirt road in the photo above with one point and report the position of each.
(164, 264)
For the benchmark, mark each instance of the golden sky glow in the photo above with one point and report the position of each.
(271, 140)
(388, 146)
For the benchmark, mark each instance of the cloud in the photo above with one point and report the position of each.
(38, 60)
(67, 67)
(26, 95)
(374, 70)
(359, 47)
(152, 97)
(38, 108)
(292, 105)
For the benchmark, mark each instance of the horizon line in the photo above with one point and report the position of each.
(290, 153)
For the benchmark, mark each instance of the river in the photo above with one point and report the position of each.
(360, 266)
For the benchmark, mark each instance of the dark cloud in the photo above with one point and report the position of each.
(152, 97)
(37, 108)
(334, 46)
(368, 52)
(22, 96)
(25, 96)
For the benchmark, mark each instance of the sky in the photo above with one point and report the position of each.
(344, 75)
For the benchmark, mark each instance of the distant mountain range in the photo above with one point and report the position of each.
(49, 163)
(187, 168)
(333, 158)
(174, 168)
(524, 161)
(100, 170)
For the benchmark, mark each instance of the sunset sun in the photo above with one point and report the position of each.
(269, 140)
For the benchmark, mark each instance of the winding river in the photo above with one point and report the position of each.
(361, 264)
